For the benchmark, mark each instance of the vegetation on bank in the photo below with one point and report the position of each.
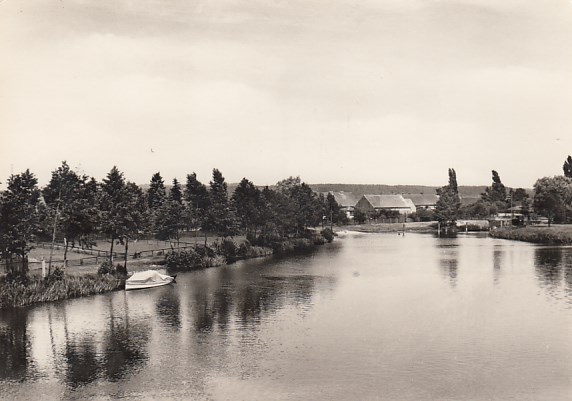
(22, 291)
(555, 235)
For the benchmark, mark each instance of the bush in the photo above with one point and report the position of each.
(56, 275)
(105, 268)
(121, 269)
(229, 250)
(328, 234)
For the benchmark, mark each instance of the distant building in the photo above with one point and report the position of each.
(346, 200)
(378, 203)
(423, 201)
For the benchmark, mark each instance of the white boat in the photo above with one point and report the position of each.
(148, 279)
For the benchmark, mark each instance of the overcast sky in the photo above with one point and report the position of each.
(379, 92)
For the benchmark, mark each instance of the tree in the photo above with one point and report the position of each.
(552, 198)
(496, 193)
(247, 203)
(220, 217)
(123, 210)
(333, 210)
(156, 194)
(198, 202)
(171, 218)
(19, 221)
(447, 207)
(176, 195)
(567, 167)
(70, 199)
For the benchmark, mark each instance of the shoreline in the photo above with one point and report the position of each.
(417, 227)
(554, 235)
(33, 289)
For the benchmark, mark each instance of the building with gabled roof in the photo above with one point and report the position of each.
(346, 200)
(423, 201)
(378, 203)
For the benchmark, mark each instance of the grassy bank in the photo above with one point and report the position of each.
(73, 284)
(555, 235)
(33, 290)
(419, 227)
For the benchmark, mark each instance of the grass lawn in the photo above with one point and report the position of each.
(559, 234)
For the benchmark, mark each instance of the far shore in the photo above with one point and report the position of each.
(418, 227)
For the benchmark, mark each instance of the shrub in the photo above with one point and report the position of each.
(105, 268)
(228, 250)
(56, 275)
(328, 234)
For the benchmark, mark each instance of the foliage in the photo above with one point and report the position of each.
(16, 294)
(553, 197)
(176, 195)
(496, 193)
(447, 208)
(19, 220)
(220, 218)
(198, 202)
(156, 194)
(425, 215)
(328, 234)
(72, 210)
(540, 235)
(359, 216)
(567, 167)
(248, 205)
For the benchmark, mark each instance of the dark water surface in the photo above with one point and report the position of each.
(370, 317)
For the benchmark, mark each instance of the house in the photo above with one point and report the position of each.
(378, 203)
(346, 200)
(423, 201)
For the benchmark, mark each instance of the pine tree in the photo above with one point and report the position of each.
(156, 193)
(176, 195)
(198, 202)
(220, 217)
(247, 203)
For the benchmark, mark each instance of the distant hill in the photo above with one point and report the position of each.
(374, 189)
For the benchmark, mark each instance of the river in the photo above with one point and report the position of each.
(368, 317)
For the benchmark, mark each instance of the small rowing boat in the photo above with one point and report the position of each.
(148, 279)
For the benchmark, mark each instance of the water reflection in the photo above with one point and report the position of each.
(498, 255)
(125, 345)
(548, 265)
(553, 267)
(449, 258)
(13, 344)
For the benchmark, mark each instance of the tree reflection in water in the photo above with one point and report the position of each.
(13, 344)
(498, 254)
(124, 344)
(449, 258)
(553, 267)
(548, 265)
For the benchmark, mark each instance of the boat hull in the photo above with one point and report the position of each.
(148, 279)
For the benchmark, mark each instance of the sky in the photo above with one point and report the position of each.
(335, 91)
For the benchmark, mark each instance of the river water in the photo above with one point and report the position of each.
(369, 317)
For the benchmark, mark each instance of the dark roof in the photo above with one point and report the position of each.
(345, 199)
(422, 199)
(387, 201)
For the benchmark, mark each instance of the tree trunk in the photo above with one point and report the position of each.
(126, 249)
(66, 254)
(111, 250)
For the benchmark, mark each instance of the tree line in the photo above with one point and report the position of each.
(78, 209)
(552, 199)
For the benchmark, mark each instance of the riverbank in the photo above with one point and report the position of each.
(33, 290)
(74, 283)
(418, 227)
(554, 235)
